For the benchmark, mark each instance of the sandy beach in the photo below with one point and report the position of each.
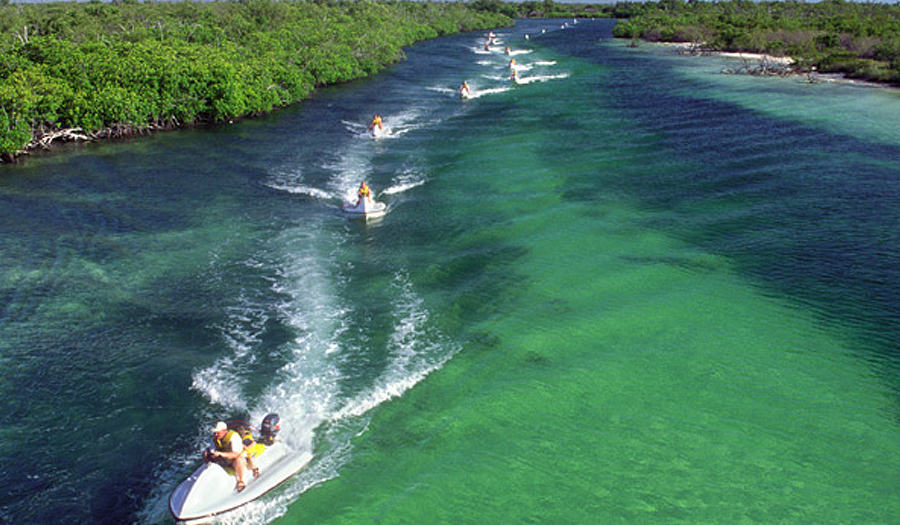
(759, 57)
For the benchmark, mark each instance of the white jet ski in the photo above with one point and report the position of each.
(364, 208)
(377, 132)
(210, 490)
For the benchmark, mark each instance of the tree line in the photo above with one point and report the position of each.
(111, 69)
(545, 9)
(860, 40)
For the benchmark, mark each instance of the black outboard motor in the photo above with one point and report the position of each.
(269, 429)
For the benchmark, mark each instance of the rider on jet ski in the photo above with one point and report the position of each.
(228, 449)
(363, 193)
(376, 122)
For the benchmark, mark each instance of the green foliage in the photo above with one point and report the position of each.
(131, 65)
(14, 132)
(860, 39)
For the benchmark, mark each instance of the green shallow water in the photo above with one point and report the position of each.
(668, 406)
(626, 376)
(631, 290)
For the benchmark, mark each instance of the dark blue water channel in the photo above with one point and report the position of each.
(805, 210)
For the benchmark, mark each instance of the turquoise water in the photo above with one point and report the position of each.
(628, 290)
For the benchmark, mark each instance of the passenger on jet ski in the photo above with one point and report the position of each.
(229, 449)
(363, 193)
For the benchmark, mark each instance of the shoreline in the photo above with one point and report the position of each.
(211, 69)
(690, 48)
(784, 63)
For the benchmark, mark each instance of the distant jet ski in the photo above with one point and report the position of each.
(376, 127)
(364, 206)
(210, 490)
(465, 92)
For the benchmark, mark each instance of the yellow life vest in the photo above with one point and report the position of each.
(224, 444)
(252, 448)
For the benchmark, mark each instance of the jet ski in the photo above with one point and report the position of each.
(364, 208)
(210, 490)
(465, 92)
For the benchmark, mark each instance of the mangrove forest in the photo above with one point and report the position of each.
(859, 40)
(89, 70)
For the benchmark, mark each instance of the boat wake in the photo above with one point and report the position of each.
(323, 403)
(541, 78)
(490, 91)
(449, 92)
(302, 190)
(404, 182)
(415, 351)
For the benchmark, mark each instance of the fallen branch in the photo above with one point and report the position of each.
(65, 135)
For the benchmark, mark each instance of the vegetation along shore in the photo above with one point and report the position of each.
(95, 70)
(858, 40)
(99, 70)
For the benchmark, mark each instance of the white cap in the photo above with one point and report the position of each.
(220, 426)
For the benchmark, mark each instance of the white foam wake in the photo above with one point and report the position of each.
(415, 352)
(290, 180)
(404, 182)
(443, 89)
(302, 190)
(302, 391)
(305, 389)
(541, 78)
(222, 382)
(491, 91)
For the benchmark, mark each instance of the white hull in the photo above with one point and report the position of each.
(210, 491)
(365, 208)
